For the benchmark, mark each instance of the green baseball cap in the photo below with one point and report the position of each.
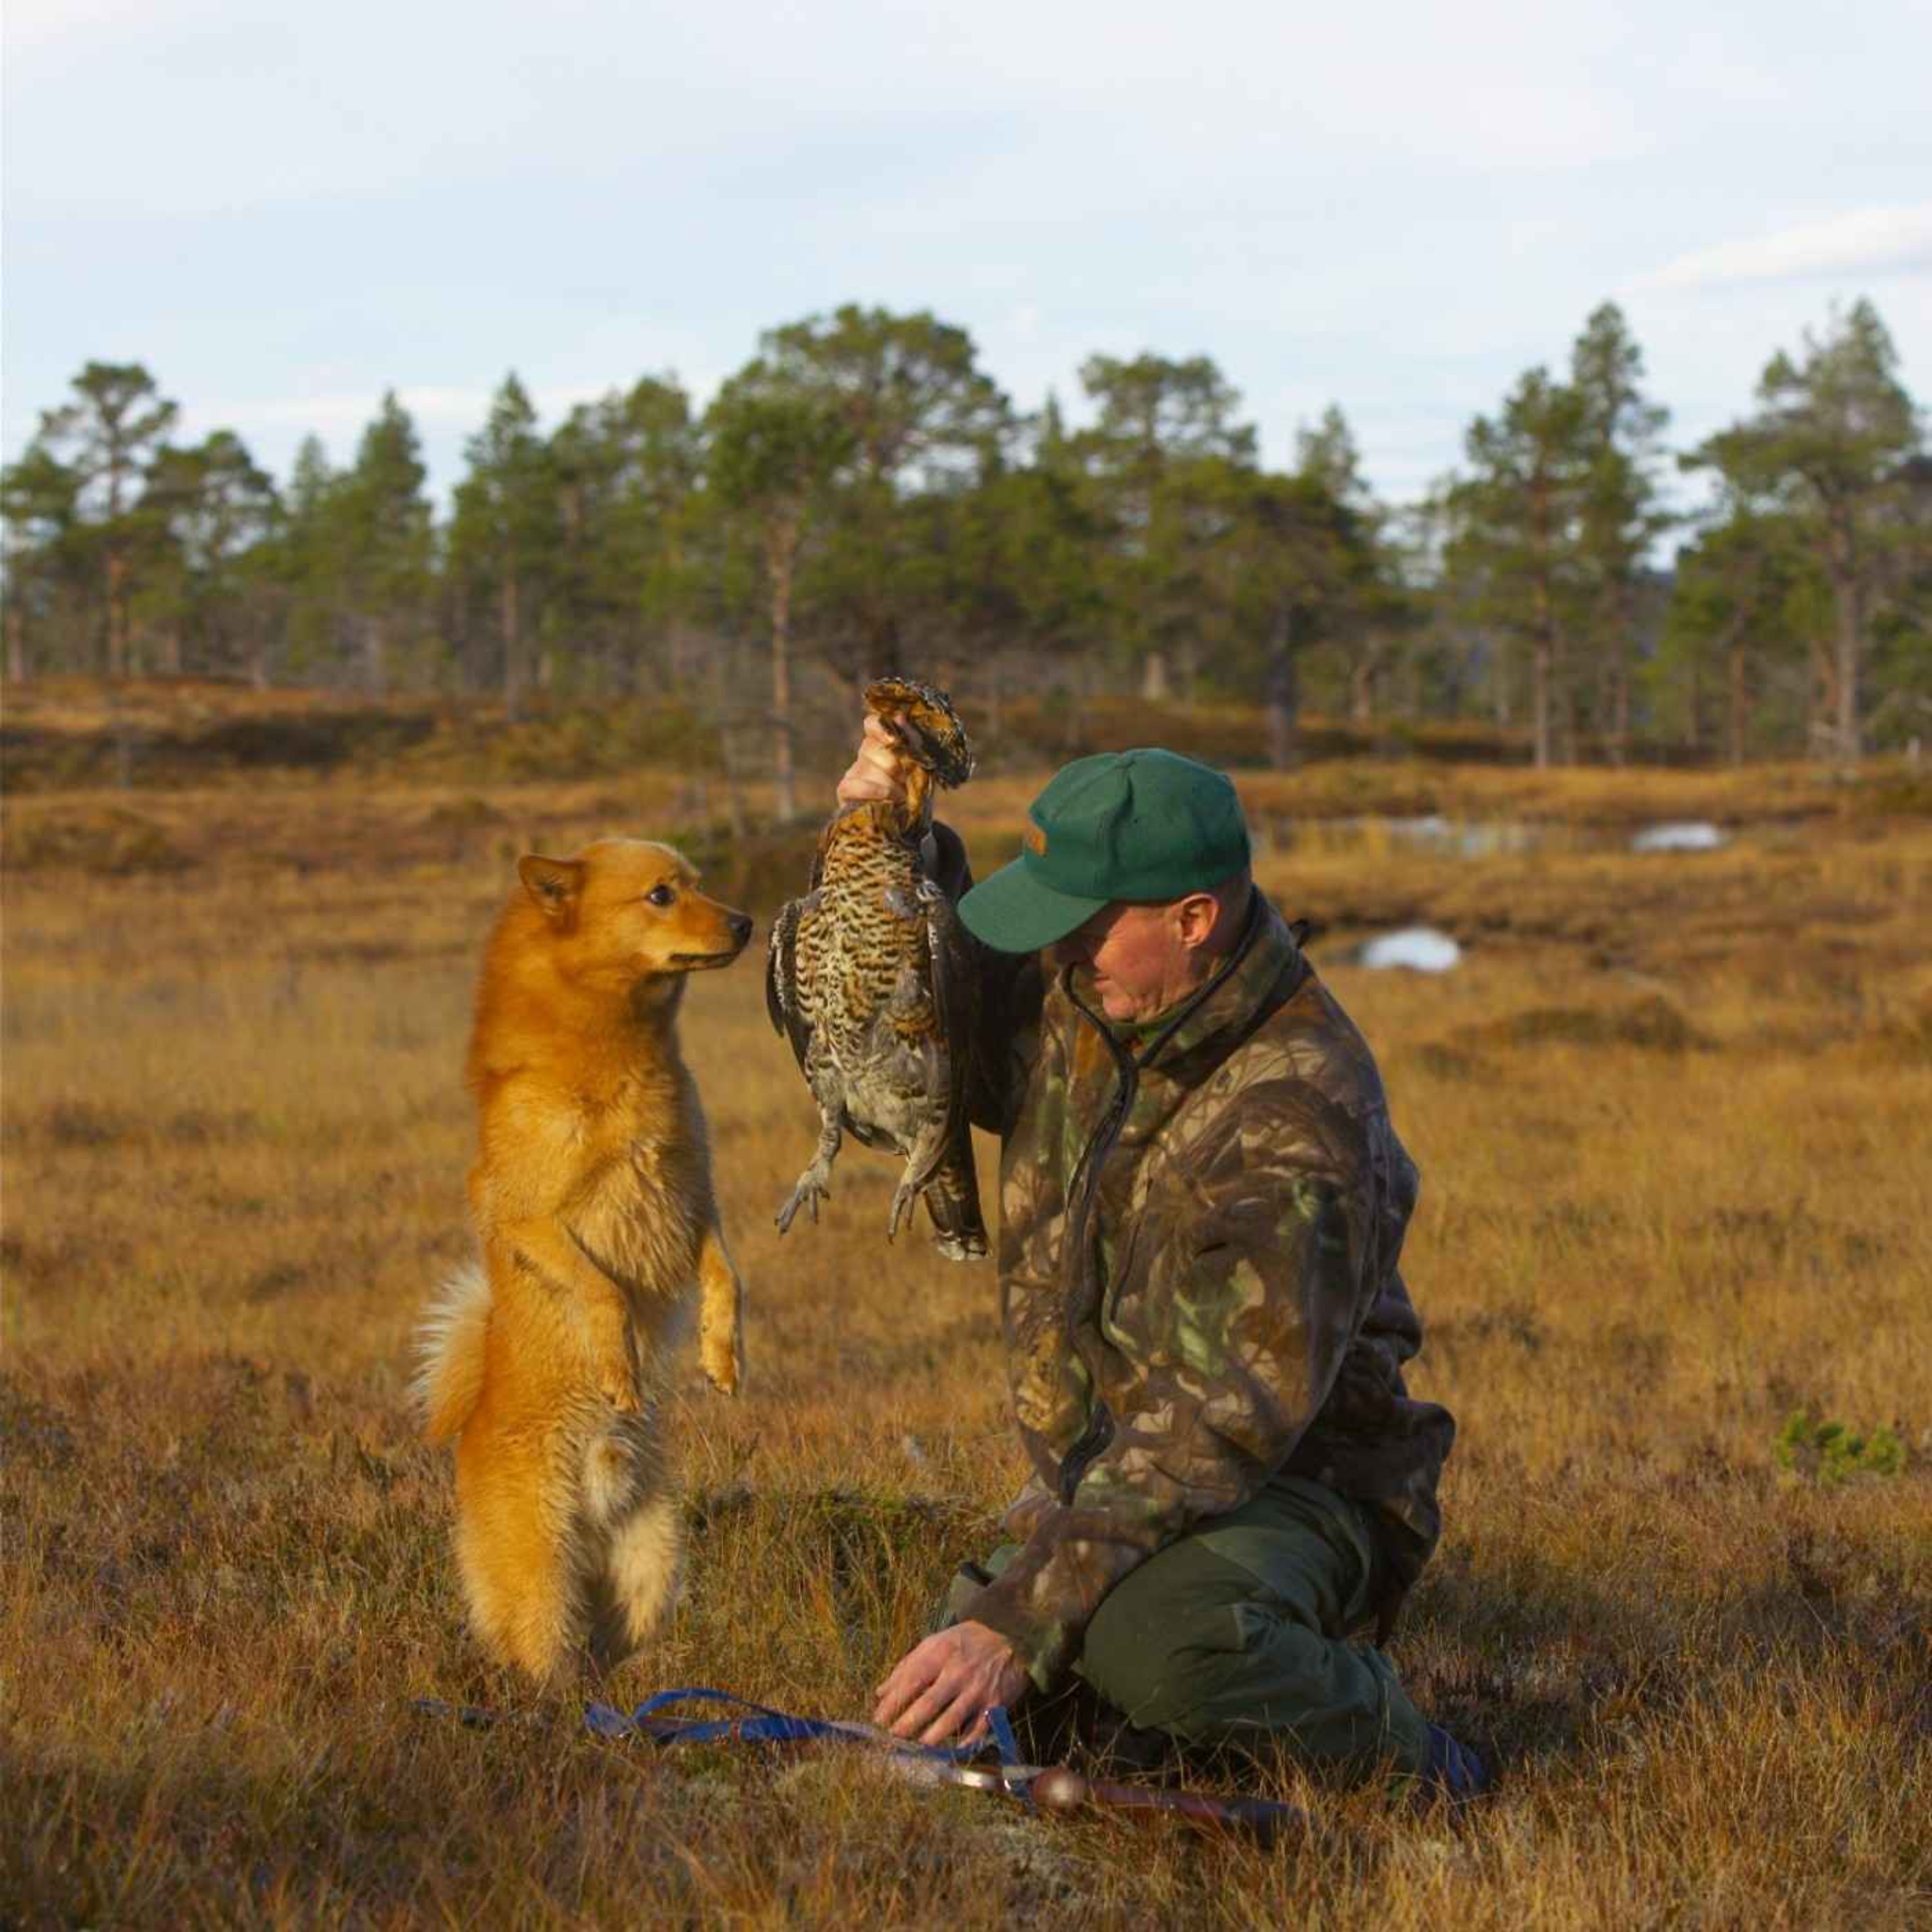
(1147, 825)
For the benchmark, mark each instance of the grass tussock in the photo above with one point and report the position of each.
(1674, 1140)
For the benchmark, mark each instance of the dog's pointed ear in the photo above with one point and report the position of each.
(554, 883)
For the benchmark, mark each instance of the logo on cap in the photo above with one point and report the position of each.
(1034, 840)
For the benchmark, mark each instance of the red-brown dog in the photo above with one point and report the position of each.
(594, 1212)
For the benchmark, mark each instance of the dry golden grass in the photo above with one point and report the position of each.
(1675, 1118)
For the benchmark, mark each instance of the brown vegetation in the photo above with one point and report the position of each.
(1675, 1118)
(170, 734)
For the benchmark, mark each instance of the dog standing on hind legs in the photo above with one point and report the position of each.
(547, 1359)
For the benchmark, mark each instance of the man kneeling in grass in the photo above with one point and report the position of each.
(1202, 1206)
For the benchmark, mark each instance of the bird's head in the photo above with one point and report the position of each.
(921, 717)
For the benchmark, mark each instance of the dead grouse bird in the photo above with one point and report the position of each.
(871, 978)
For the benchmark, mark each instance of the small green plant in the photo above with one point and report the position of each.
(1829, 1452)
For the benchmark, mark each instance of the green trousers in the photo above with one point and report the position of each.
(1234, 1636)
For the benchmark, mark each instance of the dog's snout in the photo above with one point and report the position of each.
(741, 926)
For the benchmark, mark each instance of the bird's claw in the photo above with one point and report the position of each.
(812, 1188)
(903, 1198)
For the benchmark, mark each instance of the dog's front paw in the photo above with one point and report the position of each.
(721, 1350)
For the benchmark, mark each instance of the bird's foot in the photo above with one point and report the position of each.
(903, 1198)
(815, 1185)
(960, 1247)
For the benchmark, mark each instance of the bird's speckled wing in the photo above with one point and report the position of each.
(956, 999)
(784, 1000)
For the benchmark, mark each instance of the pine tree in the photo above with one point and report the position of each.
(626, 469)
(1740, 599)
(1833, 439)
(1304, 579)
(1022, 575)
(207, 512)
(921, 418)
(48, 564)
(774, 449)
(380, 539)
(507, 534)
(303, 562)
(1365, 628)
(1514, 520)
(1161, 457)
(1620, 515)
(105, 437)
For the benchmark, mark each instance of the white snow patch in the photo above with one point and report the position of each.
(1689, 835)
(1421, 948)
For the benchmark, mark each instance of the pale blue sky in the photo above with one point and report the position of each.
(282, 210)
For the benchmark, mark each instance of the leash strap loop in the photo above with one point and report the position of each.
(765, 1725)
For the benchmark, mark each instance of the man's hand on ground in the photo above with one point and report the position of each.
(944, 1686)
(874, 773)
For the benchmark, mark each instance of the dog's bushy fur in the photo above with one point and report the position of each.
(546, 1360)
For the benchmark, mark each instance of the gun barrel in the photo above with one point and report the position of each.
(1062, 1790)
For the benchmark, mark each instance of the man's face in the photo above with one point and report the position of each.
(1139, 965)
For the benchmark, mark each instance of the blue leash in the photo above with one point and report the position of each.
(768, 1726)
(1060, 1789)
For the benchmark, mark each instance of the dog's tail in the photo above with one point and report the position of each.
(449, 1353)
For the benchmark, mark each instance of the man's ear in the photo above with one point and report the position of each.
(554, 883)
(1194, 916)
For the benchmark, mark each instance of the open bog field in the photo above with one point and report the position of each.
(1674, 1115)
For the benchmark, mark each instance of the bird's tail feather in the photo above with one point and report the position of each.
(953, 1200)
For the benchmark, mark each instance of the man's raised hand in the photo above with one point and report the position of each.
(874, 776)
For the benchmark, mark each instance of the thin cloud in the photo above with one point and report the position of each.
(344, 414)
(1867, 242)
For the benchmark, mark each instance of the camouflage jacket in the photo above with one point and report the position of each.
(1200, 1229)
